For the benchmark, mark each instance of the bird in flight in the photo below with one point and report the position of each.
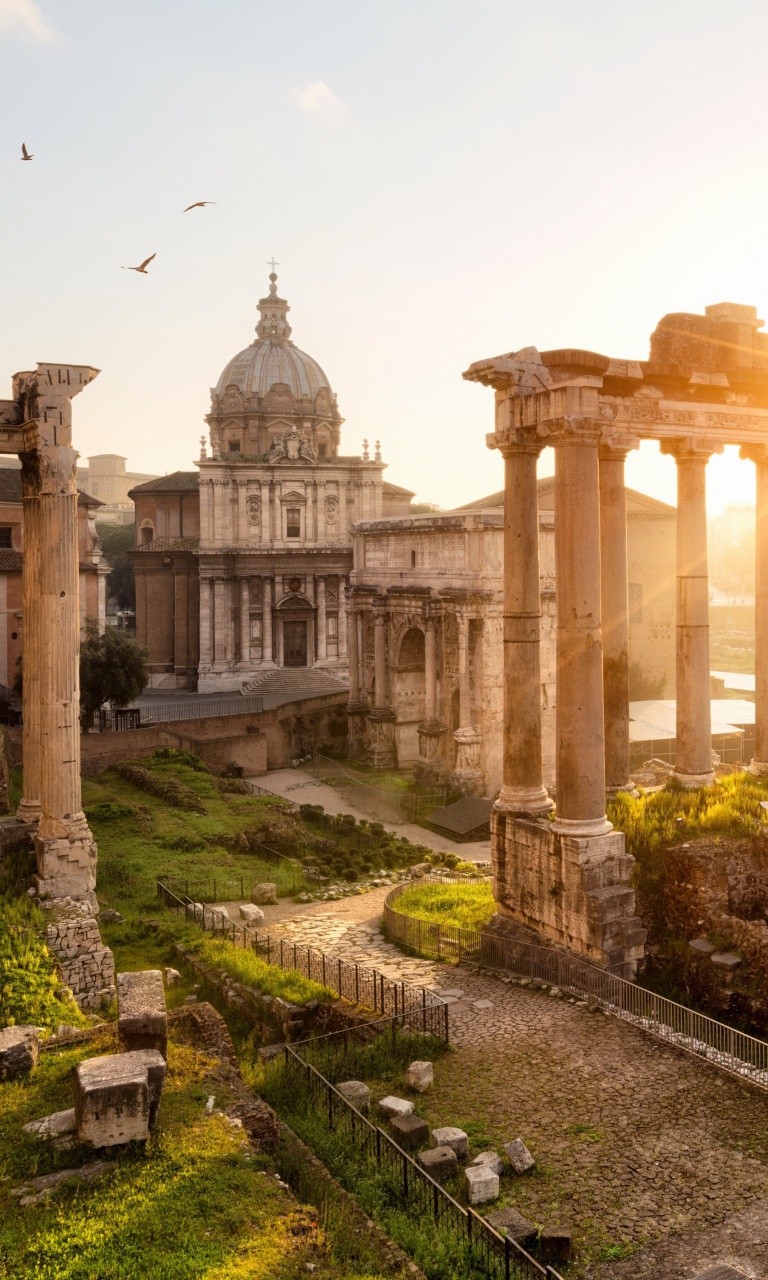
(24, 153)
(144, 265)
(198, 205)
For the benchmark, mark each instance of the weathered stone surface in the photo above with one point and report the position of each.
(439, 1162)
(511, 1223)
(419, 1076)
(18, 1051)
(482, 1184)
(409, 1131)
(726, 959)
(117, 1097)
(702, 946)
(252, 915)
(451, 1137)
(555, 1244)
(171, 976)
(142, 1021)
(59, 1129)
(519, 1156)
(39, 1189)
(391, 1106)
(265, 895)
(489, 1158)
(268, 1051)
(356, 1093)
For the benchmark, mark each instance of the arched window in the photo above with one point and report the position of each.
(147, 531)
(412, 650)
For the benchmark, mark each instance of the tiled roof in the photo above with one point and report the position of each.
(396, 488)
(168, 544)
(176, 482)
(11, 561)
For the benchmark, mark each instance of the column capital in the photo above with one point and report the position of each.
(615, 445)
(754, 452)
(691, 448)
(573, 430)
(512, 443)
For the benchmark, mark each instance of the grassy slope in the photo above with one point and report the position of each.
(465, 906)
(195, 1203)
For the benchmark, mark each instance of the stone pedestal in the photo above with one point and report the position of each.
(572, 891)
(380, 751)
(431, 768)
(468, 776)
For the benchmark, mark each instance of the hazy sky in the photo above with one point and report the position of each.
(439, 180)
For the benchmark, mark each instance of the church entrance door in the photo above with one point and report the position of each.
(295, 644)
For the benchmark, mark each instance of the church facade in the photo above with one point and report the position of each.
(242, 566)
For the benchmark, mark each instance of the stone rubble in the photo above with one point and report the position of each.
(409, 1131)
(449, 1136)
(391, 1106)
(264, 894)
(482, 1184)
(19, 1048)
(439, 1162)
(142, 1021)
(519, 1156)
(59, 1128)
(39, 1189)
(355, 1092)
(419, 1076)
(511, 1223)
(489, 1159)
(117, 1097)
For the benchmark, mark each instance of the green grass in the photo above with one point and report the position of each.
(464, 906)
(246, 967)
(196, 1202)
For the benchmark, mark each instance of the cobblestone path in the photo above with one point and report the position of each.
(639, 1146)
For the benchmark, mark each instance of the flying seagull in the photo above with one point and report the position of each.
(144, 265)
(198, 205)
(24, 153)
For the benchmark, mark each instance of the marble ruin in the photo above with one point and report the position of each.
(36, 424)
(704, 386)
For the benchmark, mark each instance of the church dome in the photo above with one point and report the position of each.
(272, 358)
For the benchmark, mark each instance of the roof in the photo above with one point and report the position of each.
(636, 502)
(463, 816)
(11, 561)
(388, 487)
(655, 719)
(176, 482)
(256, 370)
(168, 544)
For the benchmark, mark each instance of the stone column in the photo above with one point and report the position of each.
(343, 529)
(381, 691)
(693, 762)
(245, 622)
(615, 628)
(29, 810)
(206, 634)
(523, 790)
(322, 624)
(431, 767)
(266, 623)
(579, 715)
(759, 455)
(341, 621)
(357, 708)
(467, 775)
(381, 720)
(430, 670)
(223, 622)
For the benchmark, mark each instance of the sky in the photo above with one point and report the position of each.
(438, 181)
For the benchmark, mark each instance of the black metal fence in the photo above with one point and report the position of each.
(725, 1047)
(357, 983)
(487, 1253)
(288, 876)
(124, 719)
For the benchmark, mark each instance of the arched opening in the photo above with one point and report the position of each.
(412, 650)
(147, 531)
(409, 696)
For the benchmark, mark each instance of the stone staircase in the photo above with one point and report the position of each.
(309, 680)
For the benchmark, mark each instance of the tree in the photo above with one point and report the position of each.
(643, 686)
(116, 541)
(113, 669)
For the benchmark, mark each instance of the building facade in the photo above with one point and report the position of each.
(242, 567)
(426, 634)
(106, 478)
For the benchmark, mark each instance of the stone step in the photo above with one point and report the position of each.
(294, 680)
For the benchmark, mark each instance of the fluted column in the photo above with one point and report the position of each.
(266, 623)
(245, 621)
(29, 810)
(523, 788)
(322, 623)
(759, 455)
(579, 716)
(614, 621)
(341, 621)
(693, 760)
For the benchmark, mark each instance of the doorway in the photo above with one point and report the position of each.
(295, 644)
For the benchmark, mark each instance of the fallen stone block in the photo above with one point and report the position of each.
(439, 1162)
(409, 1131)
(252, 915)
(451, 1137)
(391, 1106)
(482, 1184)
(59, 1128)
(702, 946)
(356, 1093)
(508, 1222)
(420, 1076)
(171, 977)
(519, 1156)
(18, 1051)
(265, 895)
(40, 1188)
(555, 1244)
(726, 960)
(117, 1097)
(489, 1159)
(268, 1051)
(142, 1021)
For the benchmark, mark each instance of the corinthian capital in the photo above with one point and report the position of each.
(754, 452)
(615, 444)
(691, 448)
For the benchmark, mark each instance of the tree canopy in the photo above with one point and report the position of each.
(113, 669)
(116, 541)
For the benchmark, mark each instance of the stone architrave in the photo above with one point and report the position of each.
(693, 756)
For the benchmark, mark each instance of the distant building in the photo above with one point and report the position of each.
(106, 478)
(242, 567)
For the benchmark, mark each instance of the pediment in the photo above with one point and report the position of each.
(293, 496)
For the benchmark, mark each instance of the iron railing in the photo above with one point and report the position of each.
(163, 712)
(724, 1047)
(489, 1254)
(385, 803)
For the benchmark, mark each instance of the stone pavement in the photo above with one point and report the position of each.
(639, 1146)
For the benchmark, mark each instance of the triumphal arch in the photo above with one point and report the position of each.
(705, 385)
(36, 424)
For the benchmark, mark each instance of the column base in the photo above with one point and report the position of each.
(381, 752)
(468, 776)
(573, 891)
(431, 768)
(692, 780)
(524, 801)
(87, 966)
(29, 811)
(66, 860)
(626, 788)
(586, 827)
(758, 767)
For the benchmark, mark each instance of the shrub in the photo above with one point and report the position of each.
(169, 755)
(175, 793)
(110, 811)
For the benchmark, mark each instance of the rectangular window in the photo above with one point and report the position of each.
(95, 488)
(234, 446)
(333, 626)
(293, 522)
(5, 535)
(635, 601)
